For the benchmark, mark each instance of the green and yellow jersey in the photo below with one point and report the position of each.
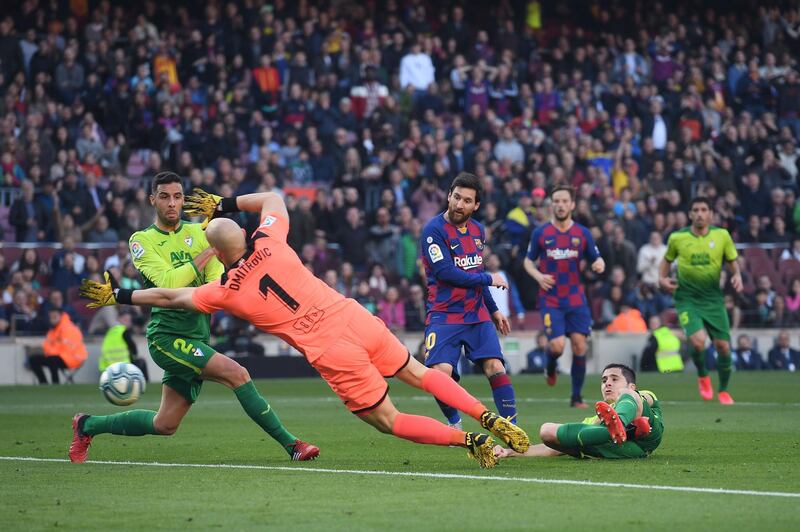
(653, 413)
(165, 261)
(700, 261)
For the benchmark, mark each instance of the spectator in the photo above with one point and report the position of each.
(364, 296)
(508, 301)
(783, 356)
(537, 357)
(745, 357)
(383, 240)
(416, 70)
(391, 310)
(415, 308)
(63, 348)
(649, 258)
(28, 216)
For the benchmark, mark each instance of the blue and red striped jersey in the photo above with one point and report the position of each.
(453, 261)
(560, 255)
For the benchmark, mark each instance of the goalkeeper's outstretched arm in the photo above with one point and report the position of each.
(177, 298)
(262, 202)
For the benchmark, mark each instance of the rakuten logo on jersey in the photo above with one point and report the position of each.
(467, 263)
(562, 254)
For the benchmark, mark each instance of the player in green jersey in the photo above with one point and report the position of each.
(172, 253)
(701, 249)
(629, 424)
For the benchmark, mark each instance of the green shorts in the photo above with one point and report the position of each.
(714, 318)
(182, 360)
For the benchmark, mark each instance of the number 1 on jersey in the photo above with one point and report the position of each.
(267, 283)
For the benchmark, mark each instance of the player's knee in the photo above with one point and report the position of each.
(698, 344)
(239, 376)
(547, 432)
(557, 347)
(493, 366)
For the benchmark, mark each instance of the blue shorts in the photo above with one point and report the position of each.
(559, 321)
(443, 343)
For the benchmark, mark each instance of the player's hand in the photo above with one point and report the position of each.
(737, 283)
(201, 203)
(599, 266)
(499, 281)
(101, 294)
(501, 322)
(546, 282)
(502, 452)
(668, 284)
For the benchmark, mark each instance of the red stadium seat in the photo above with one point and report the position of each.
(532, 321)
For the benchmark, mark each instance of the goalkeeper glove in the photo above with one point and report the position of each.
(105, 293)
(201, 203)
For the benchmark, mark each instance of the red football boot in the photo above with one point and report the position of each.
(303, 451)
(705, 389)
(642, 426)
(609, 417)
(79, 447)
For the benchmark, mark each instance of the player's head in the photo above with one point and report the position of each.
(464, 198)
(166, 195)
(616, 380)
(700, 212)
(227, 238)
(562, 197)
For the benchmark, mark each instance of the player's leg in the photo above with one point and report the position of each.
(450, 392)
(421, 429)
(231, 374)
(692, 325)
(442, 351)
(482, 347)
(578, 325)
(718, 327)
(578, 369)
(553, 321)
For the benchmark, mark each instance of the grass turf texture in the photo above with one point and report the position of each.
(754, 445)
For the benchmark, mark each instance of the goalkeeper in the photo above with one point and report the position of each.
(628, 424)
(172, 254)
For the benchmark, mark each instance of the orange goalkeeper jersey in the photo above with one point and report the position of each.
(272, 289)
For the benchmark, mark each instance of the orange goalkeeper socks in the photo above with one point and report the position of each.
(448, 391)
(421, 429)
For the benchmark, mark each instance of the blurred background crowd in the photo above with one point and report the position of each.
(361, 113)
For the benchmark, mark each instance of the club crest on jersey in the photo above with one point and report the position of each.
(576, 241)
(137, 250)
(435, 253)
(188, 241)
(268, 221)
(711, 244)
(479, 244)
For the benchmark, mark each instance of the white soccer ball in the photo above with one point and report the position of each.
(122, 383)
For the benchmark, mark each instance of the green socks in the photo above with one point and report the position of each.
(724, 370)
(626, 408)
(699, 358)
(130, 423)
(261, 412)
(575, 435)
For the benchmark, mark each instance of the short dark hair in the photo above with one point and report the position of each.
(164, 178)
(627, 372)
(467, 180)
(563, 186)
(700, 199)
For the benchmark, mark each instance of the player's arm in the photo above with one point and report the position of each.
(598, 265)
(202, 203)
(545, 281)
(108, 292)
(732, 265)
(667, 283)
(160, 272)
(444, 269)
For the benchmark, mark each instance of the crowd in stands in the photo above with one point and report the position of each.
(361, 113)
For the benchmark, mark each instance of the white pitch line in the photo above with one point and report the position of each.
(584, 483)
(277, 400)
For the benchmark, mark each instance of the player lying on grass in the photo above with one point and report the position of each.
(266, 284)
(628, 424)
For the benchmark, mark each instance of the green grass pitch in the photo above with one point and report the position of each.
(752, 446)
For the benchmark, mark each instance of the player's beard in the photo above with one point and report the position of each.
(562, 218)
(166, 222)
(456, 218)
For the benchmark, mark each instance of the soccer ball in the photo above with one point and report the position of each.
(122, 383)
